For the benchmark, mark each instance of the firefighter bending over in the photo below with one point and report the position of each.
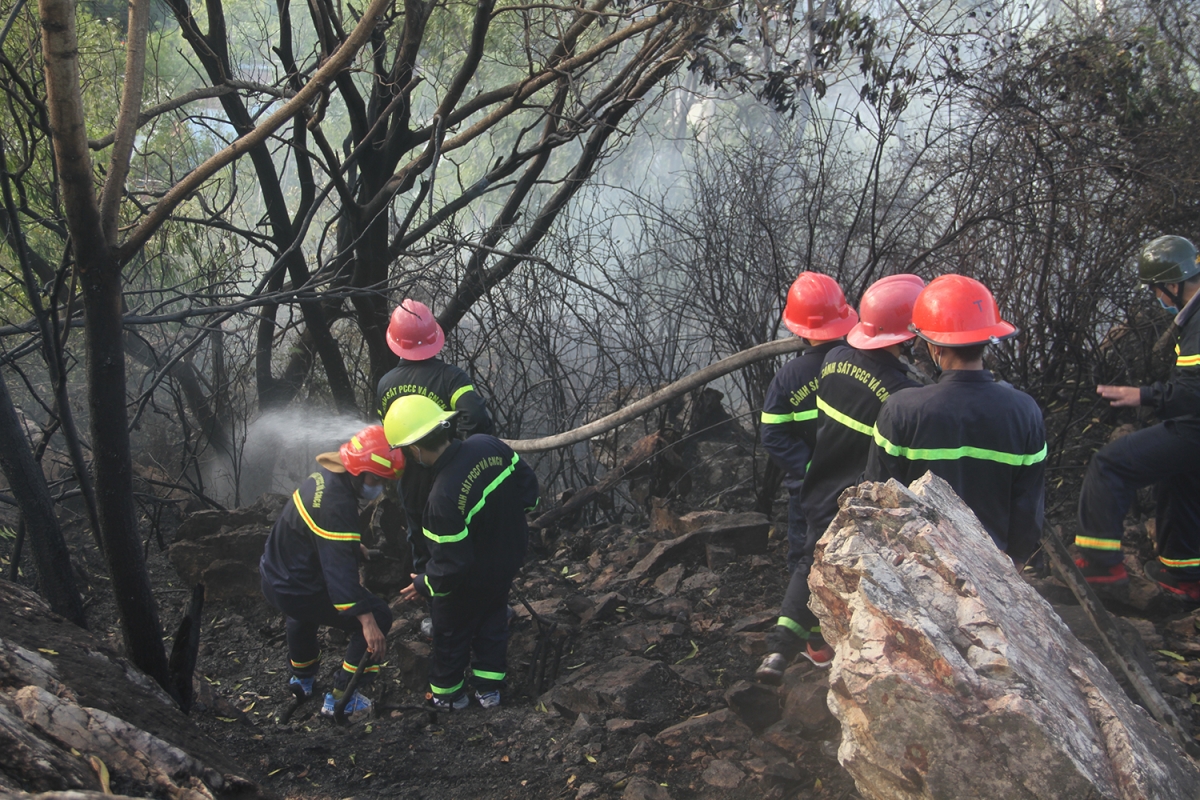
(310, 566)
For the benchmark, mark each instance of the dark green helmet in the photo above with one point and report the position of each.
(1168, 259)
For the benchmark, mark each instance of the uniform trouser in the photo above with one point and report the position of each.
(304, 614)
(470, 629)
(1166, 455)
(796, 623)
(415, 484)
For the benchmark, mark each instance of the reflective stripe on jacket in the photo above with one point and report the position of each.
(853, 385)
(1178, 399)
(986, 439)
(314, 546)
(474, 520)
(789, 415)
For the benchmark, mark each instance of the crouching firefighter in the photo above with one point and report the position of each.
(1166, 455)
(475, 528)
(310, 566)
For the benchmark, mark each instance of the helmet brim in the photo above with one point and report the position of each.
(420, 432)
(830, 330)
(860, 338)
(419, 352)
(993, 334)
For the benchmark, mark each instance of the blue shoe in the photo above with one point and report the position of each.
(357, 703)
(488, 699)
(302, 688)
(449, 703)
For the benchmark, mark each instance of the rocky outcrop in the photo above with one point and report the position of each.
(953, 678)
(76, 717)
(221, 548)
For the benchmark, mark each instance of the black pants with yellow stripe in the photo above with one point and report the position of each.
(1166, 456)
(304, 615)
(470, 629)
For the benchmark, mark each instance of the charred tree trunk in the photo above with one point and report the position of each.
(100, 280)
(101, 284)
(50, 553)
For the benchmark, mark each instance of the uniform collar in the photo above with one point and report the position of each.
(824, 347)
(448, 454)
(1188, 311)
(966, 376)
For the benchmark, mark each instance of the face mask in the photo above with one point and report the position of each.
(1172, 310)
(370, 493)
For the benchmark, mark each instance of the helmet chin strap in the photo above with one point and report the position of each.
(1176, 297)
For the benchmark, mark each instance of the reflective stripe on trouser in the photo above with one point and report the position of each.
(304, 615)
(796, 623)
(470, 629)
(1166, 455)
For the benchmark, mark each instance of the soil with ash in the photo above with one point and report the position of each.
(706, 624)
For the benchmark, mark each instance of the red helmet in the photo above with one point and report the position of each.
(413, 332)
(369, 451)
(817, 309)
(957, 311)
(885, 312)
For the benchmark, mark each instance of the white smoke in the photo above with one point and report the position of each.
(278, 452)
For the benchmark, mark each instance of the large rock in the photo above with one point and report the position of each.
(626, 686)
(953, 678)
(221, 548)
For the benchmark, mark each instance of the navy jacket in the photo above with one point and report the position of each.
(475, 517)
(444, 384)
(789, 415)
(986, 439)
(1178, 399)
(314, 547)
(853, 385)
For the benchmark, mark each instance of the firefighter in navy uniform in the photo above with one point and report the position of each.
(1166, 455)
(416, 337)
(309, 567)
(854, 380)
(983, 437)
(474, 522)
(816, 311)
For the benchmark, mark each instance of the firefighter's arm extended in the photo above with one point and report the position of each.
(376, 643)
(1121, 396)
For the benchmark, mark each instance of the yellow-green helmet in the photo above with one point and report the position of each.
(413, 417)
(1168, 259)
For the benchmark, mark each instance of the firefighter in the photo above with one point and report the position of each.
(309, 568)
(415, 336)
(982, 436)
(1166, 455)
(475, 527)
(816, 311)
(854, 379)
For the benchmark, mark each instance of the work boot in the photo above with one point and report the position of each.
(357, 703)
(488, 699)
(453, 703)
(1097, 574)
(301, 688)
(771, 669)
(821, 655)
(1158, 572)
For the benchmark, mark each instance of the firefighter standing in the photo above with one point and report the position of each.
(309, 568)
(853, 381)
(416, 337)
(817, 311)
(983, 437)
(475, 527)
(1166, 455)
